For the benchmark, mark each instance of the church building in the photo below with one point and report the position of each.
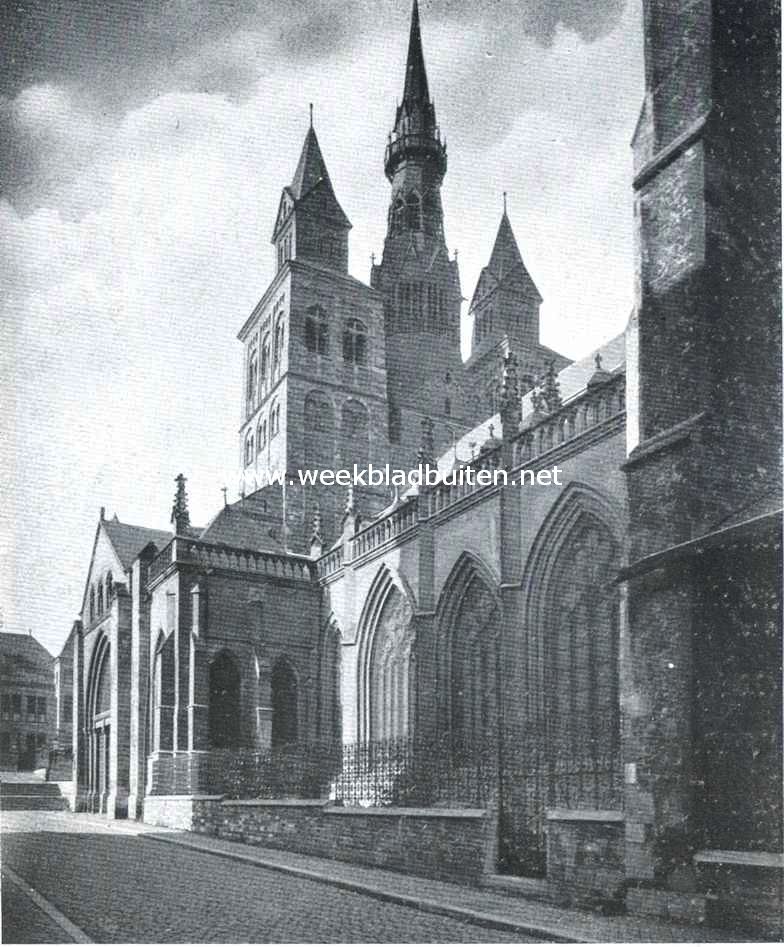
(583, 673)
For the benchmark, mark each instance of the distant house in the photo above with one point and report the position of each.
(27, 717)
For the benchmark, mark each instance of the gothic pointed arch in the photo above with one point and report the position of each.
(386, 678)
(99, 681)
(225, 702)
(468, 619)
(571, 634)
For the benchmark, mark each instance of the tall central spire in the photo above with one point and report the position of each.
(416, 134)
(416, 76)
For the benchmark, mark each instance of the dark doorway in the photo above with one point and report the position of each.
(284, 704)
(224, 717)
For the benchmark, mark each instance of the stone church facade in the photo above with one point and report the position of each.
(594, 660)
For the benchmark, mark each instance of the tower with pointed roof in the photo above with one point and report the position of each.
(315, 386)
(505, 315)
(419, 282)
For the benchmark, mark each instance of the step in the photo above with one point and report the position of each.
(50, 803)
(29, 789)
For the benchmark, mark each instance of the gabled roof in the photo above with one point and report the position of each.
(505, 266)
(311, 177)
(505, 260)
(128, 541)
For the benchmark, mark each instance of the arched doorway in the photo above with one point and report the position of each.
(224, 711)
(285, 723)
(99, 723)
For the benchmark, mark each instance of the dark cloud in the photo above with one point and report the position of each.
(114, 55)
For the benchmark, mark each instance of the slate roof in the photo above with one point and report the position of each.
(245, 524)
(572, 380)
(24, 648)
(128, 541)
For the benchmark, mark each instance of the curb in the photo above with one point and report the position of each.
(477, 918)
(57, 917)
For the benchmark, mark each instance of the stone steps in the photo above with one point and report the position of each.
(32, 795)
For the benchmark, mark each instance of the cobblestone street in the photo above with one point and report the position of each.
(119, 887)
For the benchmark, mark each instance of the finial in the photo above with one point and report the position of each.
(456, 252)
(551, 389)
(504, 203)
(426, 455)
(103, 513)
(225, 492)
(179, 515)
(316, 539)
(350, 499)
(311, 114)
(372, 259)
(598, 361)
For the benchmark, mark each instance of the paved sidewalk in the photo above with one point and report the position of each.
(477, 905)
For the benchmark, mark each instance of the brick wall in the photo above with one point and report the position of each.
(436, 843)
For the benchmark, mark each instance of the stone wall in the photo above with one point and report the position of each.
(446, 844)
(585, 857)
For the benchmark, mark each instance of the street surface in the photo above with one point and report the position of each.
(119, 887)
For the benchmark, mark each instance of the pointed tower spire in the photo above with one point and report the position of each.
(321, 232)
(415, 89)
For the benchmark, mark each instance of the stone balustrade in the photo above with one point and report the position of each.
(594, 406)
(219, 556)
(398, 521)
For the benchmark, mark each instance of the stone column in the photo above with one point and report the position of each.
(140, 737)
(78, 723)
(198, 688)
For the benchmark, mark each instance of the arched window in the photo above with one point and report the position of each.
(100, 598)
(261, 435)
(224, 710)
(253, 380)
(249, 448)
(389, 677)
(265, 359)
(109, 588)
(414, 211)
(277, 349)
(473, 663)
(274, 422)
(92, 602)
(447, 407)
(317, 331)
(319, 429)
(355, 433)
(319, 417)
(285, 723)
(580, 638)
(355, 342)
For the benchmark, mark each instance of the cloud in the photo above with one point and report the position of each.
(112, 57)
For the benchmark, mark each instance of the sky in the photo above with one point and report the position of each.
(144, 148)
